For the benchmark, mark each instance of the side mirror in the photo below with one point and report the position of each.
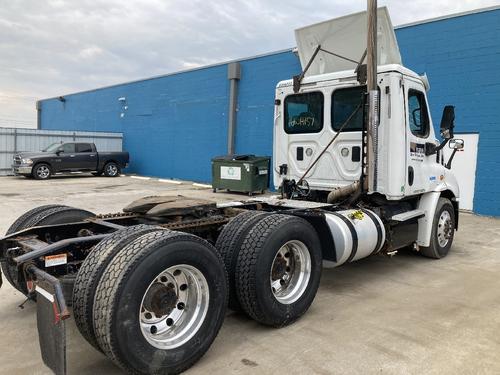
(456, 144)
(448, 122)
(59, 152)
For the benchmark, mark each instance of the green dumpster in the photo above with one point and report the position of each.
(241, 173)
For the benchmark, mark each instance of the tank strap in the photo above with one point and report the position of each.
(354, 235)
(371, 215)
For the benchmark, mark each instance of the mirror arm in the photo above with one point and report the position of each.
(448, 164)
(440, 147)
(431, 149)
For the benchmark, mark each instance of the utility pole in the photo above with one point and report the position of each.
(371, 142)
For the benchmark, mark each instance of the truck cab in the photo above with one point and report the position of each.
(307, 120)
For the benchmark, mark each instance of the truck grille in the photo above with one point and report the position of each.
(17, 160)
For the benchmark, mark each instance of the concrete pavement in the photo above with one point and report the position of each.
(400, 315)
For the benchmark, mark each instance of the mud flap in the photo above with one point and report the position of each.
(51, 315)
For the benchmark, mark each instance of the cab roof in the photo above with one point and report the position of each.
(349, 75)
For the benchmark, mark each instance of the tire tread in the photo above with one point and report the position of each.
(247, 264)
(91, 272)
(113, 279)
(229, 245)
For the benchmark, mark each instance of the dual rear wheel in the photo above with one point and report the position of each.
(274, 263)
(152, 300)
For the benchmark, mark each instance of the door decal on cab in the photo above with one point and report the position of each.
(417, 151)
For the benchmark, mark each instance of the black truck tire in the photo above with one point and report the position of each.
(9, 271)
(443, 230)
(19, 223)
(111, 169)
(279, 269)
(43, 215)
(41, 171)
(229, 244)
(153, 261)
(91, 271)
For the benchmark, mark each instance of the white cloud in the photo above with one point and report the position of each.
(90, 52)
(57, 47)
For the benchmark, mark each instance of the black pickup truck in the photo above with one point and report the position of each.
(69, 157)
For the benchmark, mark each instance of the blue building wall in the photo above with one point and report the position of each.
(461, 57)
(175, 124)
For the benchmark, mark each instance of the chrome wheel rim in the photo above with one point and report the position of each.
(290, 272)
(43, 171)
(444, 229)
(112, 169)
(174, 306)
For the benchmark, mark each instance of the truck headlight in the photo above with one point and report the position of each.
(27, 161)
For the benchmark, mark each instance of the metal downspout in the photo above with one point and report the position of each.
(234, 75)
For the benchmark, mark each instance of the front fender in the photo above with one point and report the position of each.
(449, 182)
(448, 187)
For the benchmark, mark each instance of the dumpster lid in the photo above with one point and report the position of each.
(245, 157)
(345, 36)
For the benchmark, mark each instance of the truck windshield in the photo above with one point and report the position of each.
(304, 113)
(52, 148)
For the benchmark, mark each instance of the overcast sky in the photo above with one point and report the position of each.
(55, 47)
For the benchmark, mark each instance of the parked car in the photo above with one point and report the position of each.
(69, 157)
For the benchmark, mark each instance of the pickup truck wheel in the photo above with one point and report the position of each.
(41, 171)
(111, 169)
(43, 215)
(160, 303)
(229, 245)
(443, 231)
(278, 269)
(90, 274)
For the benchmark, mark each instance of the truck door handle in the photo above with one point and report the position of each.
(92, 155)
(72, 156)
(411, 175)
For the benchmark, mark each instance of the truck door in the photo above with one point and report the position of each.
(64, 160)
(419, 131)
(85, 157)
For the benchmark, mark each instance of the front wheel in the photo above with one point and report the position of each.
(443, 230)
(42, 171)
(111, 169)
(160, 303)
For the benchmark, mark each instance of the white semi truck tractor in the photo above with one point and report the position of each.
(359, 172)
